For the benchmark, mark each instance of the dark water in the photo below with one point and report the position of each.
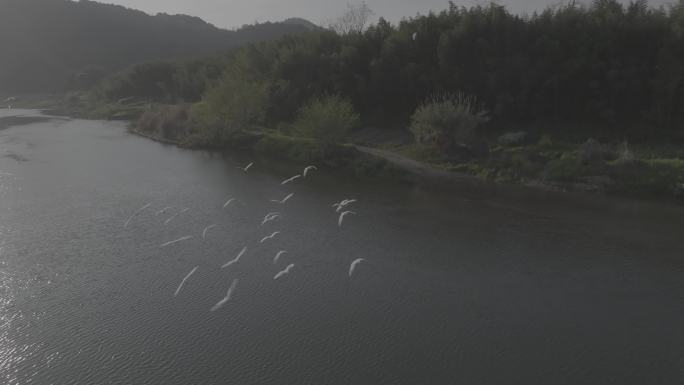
(464, 287)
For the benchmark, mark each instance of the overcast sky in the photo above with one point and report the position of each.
(234, 13)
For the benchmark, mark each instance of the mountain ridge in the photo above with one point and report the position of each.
(47, 42)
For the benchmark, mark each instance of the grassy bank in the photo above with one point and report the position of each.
(648, 172)
(656, 172)
(169, 124)
(645, 171)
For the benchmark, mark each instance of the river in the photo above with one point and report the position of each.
(490, 285)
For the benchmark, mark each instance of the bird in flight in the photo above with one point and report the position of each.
(204, 232)
(240, 254)
(264, 239)
(244, 169)
(277, 257)
(282, 201)
(229, 201)
(307, 169)
(342, 204)
(136, 214)
(270, 217)
(294, 178)
(222, 302)
(175, 215)
(353, 265)
(185, 279)
(284, 272)
(176, 241)
(344, 214)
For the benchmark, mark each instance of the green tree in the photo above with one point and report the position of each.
(237, 103)
(328, 119)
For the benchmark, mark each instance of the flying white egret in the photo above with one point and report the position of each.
(176, 241)
(204, 232)
(342, 204)
(282, 201)
(286, 271)
(414, 36)
(294, 178)
(244, 169)
(269, 236)
(277, 257)
(307, 169)
(344, 214)
(162, 211)
(185, 279)
(229, 201)
(270, 217)
(222, 302)
(136, 214)
(353, 265)
(240, 254)
(166, 222)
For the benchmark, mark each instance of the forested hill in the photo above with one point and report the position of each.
(48, 45)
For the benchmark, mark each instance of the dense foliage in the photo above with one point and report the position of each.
(447, 121)
(607, 70)
(552, 98)
(328, 119)
(162, 82)
(237, 103)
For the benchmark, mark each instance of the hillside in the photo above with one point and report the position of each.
(587, 98)
(49, 45)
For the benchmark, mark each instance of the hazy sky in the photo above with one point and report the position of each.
(234, 13)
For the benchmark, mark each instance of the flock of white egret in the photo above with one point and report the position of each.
(270, 217)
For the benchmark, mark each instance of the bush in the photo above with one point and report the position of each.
(545, 141)
(166, 122)
(593, 152)
(447, 121)
(328, 119)
(625, 155)
(562, 170)
(236, 104)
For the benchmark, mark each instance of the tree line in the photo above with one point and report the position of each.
(606, 69)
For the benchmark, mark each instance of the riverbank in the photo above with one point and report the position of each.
(651, 180)
(652, 172)
(343, 158)
(11, 121)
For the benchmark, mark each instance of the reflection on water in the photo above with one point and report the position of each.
(13, 355)
(474, 284)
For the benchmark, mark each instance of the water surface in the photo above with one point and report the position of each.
(468, 286)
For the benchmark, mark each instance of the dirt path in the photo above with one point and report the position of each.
(415, 167)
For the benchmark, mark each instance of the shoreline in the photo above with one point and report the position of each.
(443, 182)
(416, 172)
(154, 138)
(365, 161)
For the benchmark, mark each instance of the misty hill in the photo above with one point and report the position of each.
(49, 44)
(301, 22)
